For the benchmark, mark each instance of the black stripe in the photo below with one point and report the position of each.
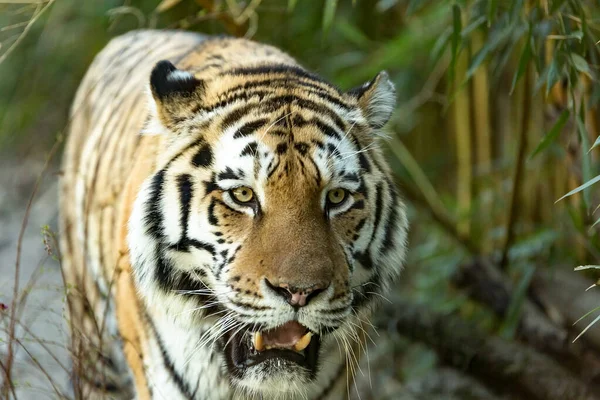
(250, 127)
(185, 243)
(310, 87)
(364, 293)
(277, 69)
(153, 217)
(203, 158)
(227, 174)
(378, 209)
(179, 381)
(390, 229)
(250, 149)
(184, 185)
(273, 104)
(212, 217)
(327, 129)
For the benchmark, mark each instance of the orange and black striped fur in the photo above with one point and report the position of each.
(215, 194)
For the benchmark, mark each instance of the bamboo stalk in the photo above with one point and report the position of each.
(517, 181)
(482, 135)
(462, 130)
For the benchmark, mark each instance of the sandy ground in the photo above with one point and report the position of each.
(45, 336)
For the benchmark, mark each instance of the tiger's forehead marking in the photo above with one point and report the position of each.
(255, 151)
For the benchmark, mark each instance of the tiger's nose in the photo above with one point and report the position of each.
(297, 296)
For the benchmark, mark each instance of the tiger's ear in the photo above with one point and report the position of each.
(175, 93)
(377, 99)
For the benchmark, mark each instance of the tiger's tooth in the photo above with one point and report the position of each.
(303, 342)
(258, 341)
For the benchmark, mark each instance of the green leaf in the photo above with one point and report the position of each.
(585, 159)
(440, 45)
(552, 134)
(487, 48)
(523, 61)
(472, 26)
(587, 327)
(329, 13)
(581, 64)
(513, 314)
(582, 267)
(596, 143)
(491, 11)
(553, 75)
(556, 5)
(353, 34)
(291, 5)
(456, 29)
(580, 188)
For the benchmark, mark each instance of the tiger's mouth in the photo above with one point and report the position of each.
(287, 345)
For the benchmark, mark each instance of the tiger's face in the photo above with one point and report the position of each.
(271, 224)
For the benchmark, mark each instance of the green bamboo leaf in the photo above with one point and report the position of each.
(329, 13)
(585, 159)
(587, 314)
(472, 26)
(587, 327)
(596, 143)
(552, 134)
(555, 5)
(580, 188)
(523, 61)
(291, 5)
(513, 314)
(581, 64)
(553, 75)
(582, 267)
(492, 44)
(575, 35)
(440, 45)
(456, 29)
(491, 11)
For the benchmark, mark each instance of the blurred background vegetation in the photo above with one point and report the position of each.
(497, 119)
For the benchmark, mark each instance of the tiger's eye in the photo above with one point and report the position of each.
(243, 194)
(336, 196)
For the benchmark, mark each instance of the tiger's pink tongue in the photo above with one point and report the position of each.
(287, 335)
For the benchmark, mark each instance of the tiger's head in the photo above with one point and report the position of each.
(271, 224)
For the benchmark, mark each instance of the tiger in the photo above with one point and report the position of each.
(228, 222)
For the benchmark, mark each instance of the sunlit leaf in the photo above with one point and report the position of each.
(292, 5)
(582, 267)
(587, 314)
(329, 13)
(523, 61)
(580, 188)
(581, 64)
(587, 327)
(166, 5)
(596, 143)
(552, 134)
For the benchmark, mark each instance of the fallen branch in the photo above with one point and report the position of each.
(502, 364)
